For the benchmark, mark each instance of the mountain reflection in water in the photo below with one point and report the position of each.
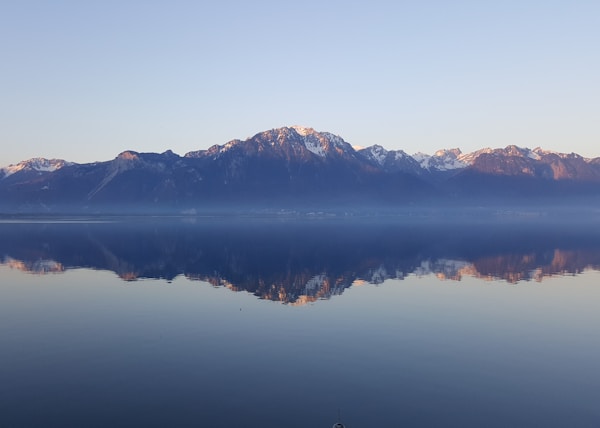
(302, 261)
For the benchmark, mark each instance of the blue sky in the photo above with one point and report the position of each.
(85, 80)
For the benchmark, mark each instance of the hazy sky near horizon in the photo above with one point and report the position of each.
(86, 80)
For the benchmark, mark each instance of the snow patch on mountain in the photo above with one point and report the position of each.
(391, 161)
(422, 158)
(517, 151)
(301, 130)
(399, 155)
(314, 146)
(336, 140)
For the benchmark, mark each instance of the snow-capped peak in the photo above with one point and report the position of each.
(455, 153)
(469, 158)
(228, 146)
(319, 143)
(539, 152)
(301, 130)
(35, 164)
(378, 153)
(442, 160)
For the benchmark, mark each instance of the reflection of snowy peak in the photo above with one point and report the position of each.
(444, 268)
(299, 262)
(34, 266)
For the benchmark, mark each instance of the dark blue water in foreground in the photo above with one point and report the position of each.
(268, 324)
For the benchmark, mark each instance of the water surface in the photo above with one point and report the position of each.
(266, 323)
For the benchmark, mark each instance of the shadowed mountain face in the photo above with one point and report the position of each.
(294, 168)
(299, 262)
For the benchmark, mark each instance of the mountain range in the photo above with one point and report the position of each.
(294, 167)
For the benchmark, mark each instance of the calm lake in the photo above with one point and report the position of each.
(199, 322)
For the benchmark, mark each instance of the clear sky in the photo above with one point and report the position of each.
(85, 80)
